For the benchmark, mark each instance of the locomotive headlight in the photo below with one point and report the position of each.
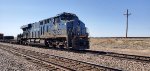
(65, 23)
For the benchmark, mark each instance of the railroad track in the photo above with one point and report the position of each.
(112, 54)
(56, 62)
(119, 55)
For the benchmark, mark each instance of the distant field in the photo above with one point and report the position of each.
(130, 43)
(136, 45)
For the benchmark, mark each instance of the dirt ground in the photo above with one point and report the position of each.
(134, 46)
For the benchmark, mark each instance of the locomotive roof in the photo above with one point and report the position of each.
(64, 13)
(25, 26)
(1, 33)
(59, 15)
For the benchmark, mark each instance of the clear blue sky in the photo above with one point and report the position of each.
(104, 18)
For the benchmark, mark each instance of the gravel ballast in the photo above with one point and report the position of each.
(10, 62)
(123, 64)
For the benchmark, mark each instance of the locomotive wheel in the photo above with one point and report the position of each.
(50, 45)
(54, 46)
(61, 46)
(46, 43)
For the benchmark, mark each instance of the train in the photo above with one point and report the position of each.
(65, 30)
(1, 35)
(7, 39)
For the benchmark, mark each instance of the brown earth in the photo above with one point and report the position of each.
(134, 46)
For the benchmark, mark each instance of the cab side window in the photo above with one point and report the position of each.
(57, 20)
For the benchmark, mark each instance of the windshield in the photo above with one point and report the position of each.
(67, 17)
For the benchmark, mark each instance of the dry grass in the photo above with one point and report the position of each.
(136, 46)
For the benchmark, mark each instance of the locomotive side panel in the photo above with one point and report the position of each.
(53, 28)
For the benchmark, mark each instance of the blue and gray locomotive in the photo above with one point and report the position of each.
(64, 31)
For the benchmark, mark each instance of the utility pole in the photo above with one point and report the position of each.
(127, 15)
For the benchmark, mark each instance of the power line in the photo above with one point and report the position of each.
(127, 15)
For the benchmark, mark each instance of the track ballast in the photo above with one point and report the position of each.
(56, 62)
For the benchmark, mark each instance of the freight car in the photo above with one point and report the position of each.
(1, 36)
(8, 39)
(64, 30)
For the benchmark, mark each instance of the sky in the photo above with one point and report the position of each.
(103, 18)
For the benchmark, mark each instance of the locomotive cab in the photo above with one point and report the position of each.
(77, 36)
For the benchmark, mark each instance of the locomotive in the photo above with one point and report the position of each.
(64, 30)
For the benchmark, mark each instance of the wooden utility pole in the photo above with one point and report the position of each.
(127, 15)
